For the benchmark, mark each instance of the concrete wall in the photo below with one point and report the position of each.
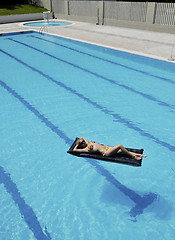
(21, 17)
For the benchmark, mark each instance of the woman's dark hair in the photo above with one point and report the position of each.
(79, 144)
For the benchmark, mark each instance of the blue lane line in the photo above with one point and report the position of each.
(147, 96)
(25, 210)
(106, 60)
(37, 114)
(141, 202)
(116, 116)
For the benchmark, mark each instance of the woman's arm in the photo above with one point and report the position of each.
(85, 140)
(80, 150)
(76, 149)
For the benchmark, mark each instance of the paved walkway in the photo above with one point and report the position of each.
(153, 44)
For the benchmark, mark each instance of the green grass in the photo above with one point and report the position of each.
(20, 9)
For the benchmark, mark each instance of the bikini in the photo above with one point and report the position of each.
(107, 148)
(90, 147)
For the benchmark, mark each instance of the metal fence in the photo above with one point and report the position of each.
(83, 8)
(165, 13)
(130, 11)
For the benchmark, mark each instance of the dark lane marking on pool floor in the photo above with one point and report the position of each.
(106, 60)
(147, 96)
(25, 210)
(116, 116)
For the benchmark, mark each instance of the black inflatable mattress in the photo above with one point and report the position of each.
(118, 158)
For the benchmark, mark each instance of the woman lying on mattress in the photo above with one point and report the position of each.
(82, 145)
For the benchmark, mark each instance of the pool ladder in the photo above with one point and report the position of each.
(43, 28)
(46, 16)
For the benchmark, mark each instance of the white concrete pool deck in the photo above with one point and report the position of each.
(152, 44)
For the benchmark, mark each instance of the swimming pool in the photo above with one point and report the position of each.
(47, 24)
(54, 89)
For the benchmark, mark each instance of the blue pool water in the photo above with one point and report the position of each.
(54, 89)
(47, 24)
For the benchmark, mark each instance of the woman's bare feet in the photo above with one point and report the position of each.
(139, 156)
